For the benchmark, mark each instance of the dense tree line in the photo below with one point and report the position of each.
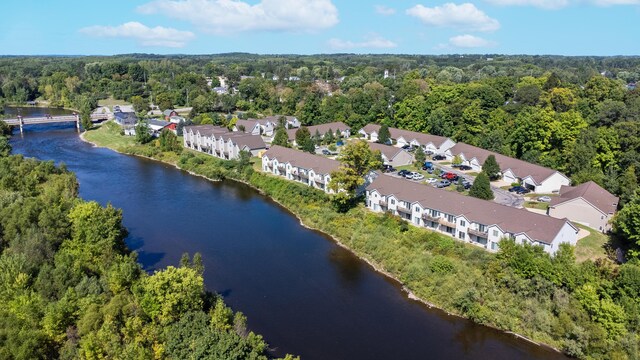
(70, 288)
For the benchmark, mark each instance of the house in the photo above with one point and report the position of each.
(290, 121)
(247, 126)
(587, 204)
(176, 119)
(169, 113)
(431, 144)
(339, 129)
(220, 142)
(156, 126)
(535, 177)
(295, 165)
(128, 119)
(392, 155)
(221, 90)
(479, 222)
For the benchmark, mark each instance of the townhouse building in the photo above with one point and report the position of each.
(220, 142)
(587, 204)
(479, 222)
(431, 144)
(309, 169)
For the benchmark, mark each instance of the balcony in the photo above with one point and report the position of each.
(303, 175)
(403, 209)
(382, 202)
(478, 233)
(446, 223)
(319, 180)
(428, 217)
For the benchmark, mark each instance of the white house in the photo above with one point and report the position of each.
(431, 144)
(539, 179)
(295, 165)
(220, 142)
(339, 129)
(479, 222)
(392, 155)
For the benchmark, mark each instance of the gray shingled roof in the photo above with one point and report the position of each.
(520, 168)
(320, 164)
(422, 138)
(253, 142)
(322, 129)
(539, 227)
(591, 192)
(388, 151)
(206, 130)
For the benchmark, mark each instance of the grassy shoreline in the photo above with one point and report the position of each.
(450, 274)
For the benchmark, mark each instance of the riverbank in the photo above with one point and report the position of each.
(460, 279)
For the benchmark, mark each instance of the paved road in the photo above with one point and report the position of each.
(502, 196)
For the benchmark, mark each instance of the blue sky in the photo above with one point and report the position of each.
(561, 27)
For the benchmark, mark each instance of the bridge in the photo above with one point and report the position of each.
(21, 121)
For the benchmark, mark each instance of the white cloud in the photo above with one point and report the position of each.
(232, 16)
(465, 17)
(144, 35)
(469, 41)
(384, 10)
(370, 42)
(559, 4)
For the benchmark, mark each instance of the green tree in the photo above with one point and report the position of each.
(143, 133)
(457, 160)
(329, 138)
(281, 137)
(357, 161)
(627, 184)
(5, 147)
(420, 156)
(169, 141)
(164, 101)
(491, 168)
(140, 105)
(167, 294)
(384, 136)
(626, 224)
(481, 187)
(303, 140)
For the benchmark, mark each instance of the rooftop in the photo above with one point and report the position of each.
(539, 227)
(591, 192)
(319, 164)
(422, 138)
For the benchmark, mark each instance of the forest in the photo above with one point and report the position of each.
(70, 288)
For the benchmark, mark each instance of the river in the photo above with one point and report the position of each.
(305, 294)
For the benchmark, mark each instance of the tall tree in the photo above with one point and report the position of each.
(491, 168)
(384, 136)
(281, 137)
(143, 134)
(357, 161)
(627, 224)
(420, 156)
(481, 187)
(303, 140)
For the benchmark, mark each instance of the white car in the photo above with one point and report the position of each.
(432, 180)
(544, 199)
(418, 176)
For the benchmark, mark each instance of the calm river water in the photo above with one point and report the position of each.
(305, 294)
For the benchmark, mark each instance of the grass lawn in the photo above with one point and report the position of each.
(110, 102)
(536, 205)
(108, 135)
(591, 247)
(472, 173)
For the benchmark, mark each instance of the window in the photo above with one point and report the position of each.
(416, 220)
(463, 223)
(393, 202)
(451, 218)
(461, 235)
(602, 217)
(482, 228)
(494, 246)
(435, 213)
(417, 209)
(495, 233)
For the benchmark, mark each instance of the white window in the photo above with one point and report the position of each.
(461, 235)
(393, 202)
(495, 233)
(417, 209)
(494, 246)
(463, 223)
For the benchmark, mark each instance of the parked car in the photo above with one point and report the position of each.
(464, 167)
(521, 190)
(443, 183)
(388, 168)
(406, 147)
(427, 165)
(455, 165)
(410, 175)
(430, 171)
(438, 157)
(326, 152)
(432, 180)
(467, 184)
(403, 172)
(449, 176)
(339, 143)
(544, 199)
(417, 176)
